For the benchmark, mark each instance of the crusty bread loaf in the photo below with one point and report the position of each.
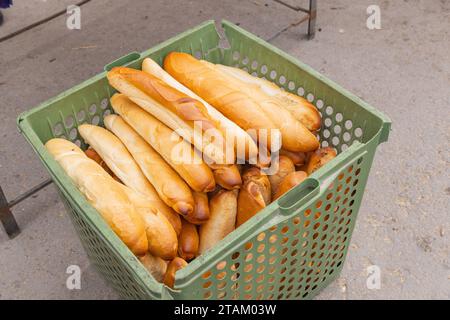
(290, 181)
(188, 241)
(179, 154)
(284, 167)
(300, 108)
(169, 185)
(319, 158)
(116, 157)
(177, 110)
(201, 212)
(240, 101)
(223, 208)
(218, 90)
(156, 266)
(176, 264)
(235, 135)
(254, 195)
(103, 192)
(227, 176)
(161, 236)
(297, 158)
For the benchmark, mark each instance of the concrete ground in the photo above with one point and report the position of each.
(403, 69)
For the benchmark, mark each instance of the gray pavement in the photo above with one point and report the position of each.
(402, 69)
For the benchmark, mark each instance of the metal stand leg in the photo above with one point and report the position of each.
(312, 18)
(7, 217)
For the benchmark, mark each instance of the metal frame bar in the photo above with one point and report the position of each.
(6, 216)
(311, 15)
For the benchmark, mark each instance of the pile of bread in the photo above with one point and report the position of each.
(169, 211)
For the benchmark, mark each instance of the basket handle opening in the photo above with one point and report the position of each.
(298, 196)
(123, 61)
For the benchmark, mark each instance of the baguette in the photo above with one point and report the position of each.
(319, 158)
(169, 186)
(223, 207)
(193, 170)
(290, 181)
(201, 209)
(116, 157)
(103, 192)
(239, 101)
(188, 241)
(217, 89)
(295, 136)
(285, 166)
(156, 266)
(176, 264)
(227, 176)
(178, 111)
(297, 158)
(300, 108)
(234, 134)
(161, 236)
(254, 195)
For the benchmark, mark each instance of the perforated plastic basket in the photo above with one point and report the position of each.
(290, 250)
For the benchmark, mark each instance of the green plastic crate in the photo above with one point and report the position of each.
(293, 248)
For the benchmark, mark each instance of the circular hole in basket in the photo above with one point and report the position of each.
(207, 295)
(260, 268)
(327, 122)
(301, 91)
(106, 113)
(236, 55)
(254, 64)
(348, 124)
(261, 236)
(264, 69)
(310, 97)
(272, 249)
(73, 134)
(104, 103)
(326, 133)
(69, 122)
(78, 143)
(273, 74)
(261, 258)
(272, 259)
(221, 295)
(296, 220)
(329, 110)
(207, 284)
(285, 230)
(344, 147)
(207, 274)
(96, 120)
(248, 246)
(245, 61)
(235, 255)
(261, 247)
(221, 275)
(221, 265)
(358, 132)
(337, 129)
(92, 109)
(282, 80)
(81, 115)
(319, 104)
(346, 136)
(273, 238)
(291, 85)
(307, 213)
(248, 257)
(248, 267)
(335, 141)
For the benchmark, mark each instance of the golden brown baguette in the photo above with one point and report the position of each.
(169, 185)
(284, 167)
(300, 108)
(254, 195)
(103, 192)
(92, 154)
(193, 170)
(223, 208)
(176, 264)
(235, 134)
(188, 241)
(177, 110)
(319, 158)
(201, 212)
(218, 90)
(295, 136)
(156, 266)
(161, 236)
(297, 158)
(290, 181)
(116, 157)
(227, 176)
